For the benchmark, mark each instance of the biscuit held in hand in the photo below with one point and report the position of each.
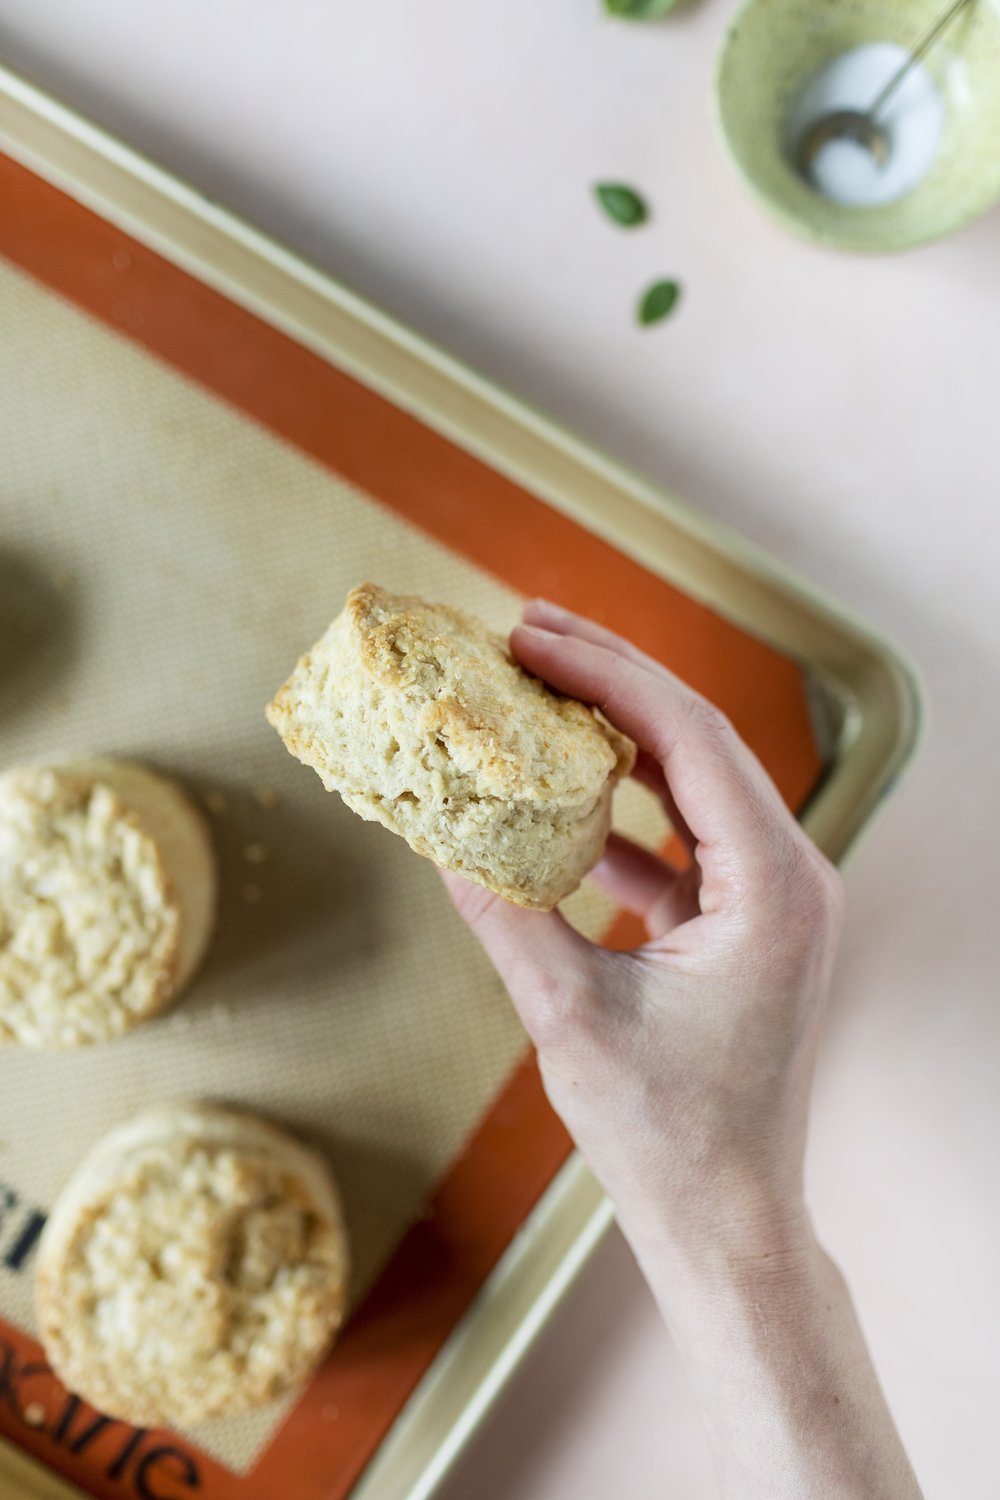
(422, 721)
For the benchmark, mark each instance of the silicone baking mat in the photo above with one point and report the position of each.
(170, 540)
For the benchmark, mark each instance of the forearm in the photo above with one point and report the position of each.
(767, 1329)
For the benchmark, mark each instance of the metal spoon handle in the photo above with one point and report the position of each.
(929, 37)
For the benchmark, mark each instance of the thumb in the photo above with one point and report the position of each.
(541, 959)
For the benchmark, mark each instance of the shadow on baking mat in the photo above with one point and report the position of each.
(38, 632)
(283, 881)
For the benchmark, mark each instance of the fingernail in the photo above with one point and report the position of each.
(537, 632)
(550, 608)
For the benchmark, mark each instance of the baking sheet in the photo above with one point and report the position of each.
(459, 1300)
(163, 560)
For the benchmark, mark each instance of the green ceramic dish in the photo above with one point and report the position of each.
(773, 47)
(638, 10)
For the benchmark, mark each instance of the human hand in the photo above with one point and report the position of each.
(681, 1069)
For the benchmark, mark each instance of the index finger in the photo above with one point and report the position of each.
(722, 792)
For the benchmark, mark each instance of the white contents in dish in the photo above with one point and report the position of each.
(913, 118)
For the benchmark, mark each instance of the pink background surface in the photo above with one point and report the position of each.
(841, 412)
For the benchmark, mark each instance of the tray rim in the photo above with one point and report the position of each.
(34, 1480)
(874, 685)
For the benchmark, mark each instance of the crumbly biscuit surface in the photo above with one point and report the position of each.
(192, 1272)
(418, 716)
(89, 922)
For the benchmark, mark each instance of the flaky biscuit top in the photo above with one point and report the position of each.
(89, 921)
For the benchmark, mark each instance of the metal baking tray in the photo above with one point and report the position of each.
(746, 620)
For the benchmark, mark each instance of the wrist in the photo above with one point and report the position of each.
(728, 1242)
(763, 1321)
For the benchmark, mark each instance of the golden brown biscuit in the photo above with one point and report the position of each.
(107, 897)
(194, 1266)
(422, 721)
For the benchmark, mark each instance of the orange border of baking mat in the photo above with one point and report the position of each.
(430, 1281)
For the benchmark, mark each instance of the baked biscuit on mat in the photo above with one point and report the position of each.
(107, 898)
(419, 717)
(194, 1266)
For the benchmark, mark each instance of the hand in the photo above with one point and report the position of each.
(682, 1069)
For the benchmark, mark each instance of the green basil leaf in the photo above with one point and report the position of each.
(638, 10)
(658, 302)
(621, 203)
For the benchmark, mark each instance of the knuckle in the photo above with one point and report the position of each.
(834, 892)
(706, 718)
(793, 879)
(818, 889)
(793, 913)
(554, 1006)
